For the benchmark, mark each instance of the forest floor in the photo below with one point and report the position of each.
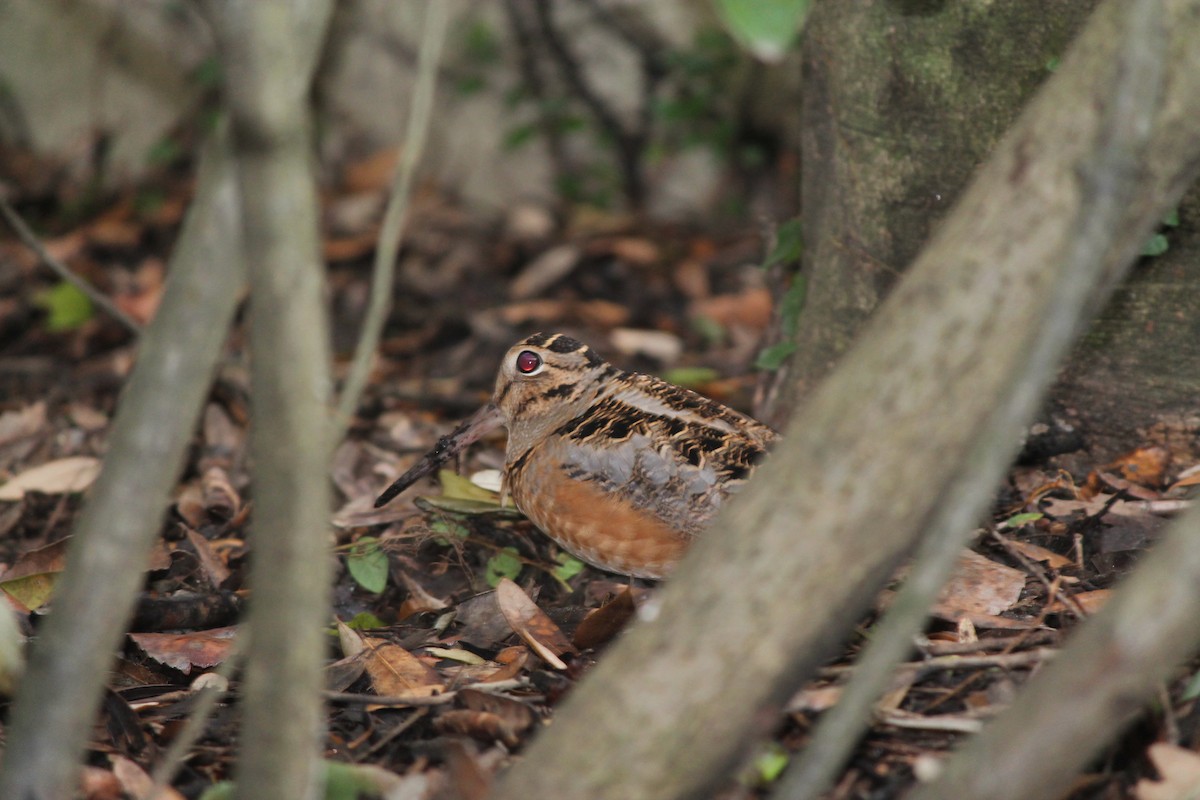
(460, 627)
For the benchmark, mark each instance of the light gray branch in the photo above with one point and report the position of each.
(396, 214)
(268, 49)
(70, 659)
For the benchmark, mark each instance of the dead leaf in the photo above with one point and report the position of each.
(62, 476)
(1145, 466)
(602, 624)
(351, 640)
(1037, 553)
(214, 568)
(1179, 774)
(819, 698)
(512, 660)
(373, 173)
(531, 624)
(750, 309)
(978, 586)
(395, 672)
(660, 345)
(100, 784)
(31, 580)
(1088, 602)
(544, 271)
(184, 651)
(87, 417)
(22, 422)
(136, 782)
(221, 500)
(634, 250)
(419, 600)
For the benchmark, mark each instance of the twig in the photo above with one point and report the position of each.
(419, 701)
(434, 35)
(1053, 588)
(62, 270)
(629, 144)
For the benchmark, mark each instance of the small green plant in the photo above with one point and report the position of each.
(789, 244)
(368, 564)
(504, 564)
(568, 567)
(1157, 244)
(67, 308)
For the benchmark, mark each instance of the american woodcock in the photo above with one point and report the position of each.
(621, 469)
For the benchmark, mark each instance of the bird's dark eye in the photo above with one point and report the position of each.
(528, 362)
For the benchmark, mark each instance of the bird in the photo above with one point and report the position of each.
(623, 470)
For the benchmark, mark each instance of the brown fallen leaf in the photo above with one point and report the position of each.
(184, 651)
(136, 782)
(602, 624)
(487, 717)
(22, 422)
(213, 566)
(531, 624)
(979, 586)
(62, 476)
(512, 660)
(1179, 774)
(419, 599)
(1145, 466)
(221, 500)
(1037, 553)
(371, 174)
(30, 581)
(1089, 602)
(395, 672)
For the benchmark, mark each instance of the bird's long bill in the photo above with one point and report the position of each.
(470, 430)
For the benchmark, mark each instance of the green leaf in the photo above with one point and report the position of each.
(1017, 520)
(766, 29)
(789, 243)
(218, 791)
(1157, 245)
(67, 307)
(1171, 220)
(1053, 63)
(350, 781)
(772, 358)
(368, 564)
(449, 528)
(518, 136)
(504, 564)
(365, 621)
(32, 591)
(568, 567)
(766, 768)
(456, 487)
(466, 508)
(791, 305)
(1193, 688)
(690, 377)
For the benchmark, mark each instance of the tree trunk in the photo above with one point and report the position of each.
(902, 101)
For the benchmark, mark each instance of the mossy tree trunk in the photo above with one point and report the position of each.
(902, 101)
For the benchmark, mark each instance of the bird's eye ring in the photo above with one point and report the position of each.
(528, 362)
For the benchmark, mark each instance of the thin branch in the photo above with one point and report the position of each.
(396, 214)
(53, 713)
(628, 144)
(62, 270)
